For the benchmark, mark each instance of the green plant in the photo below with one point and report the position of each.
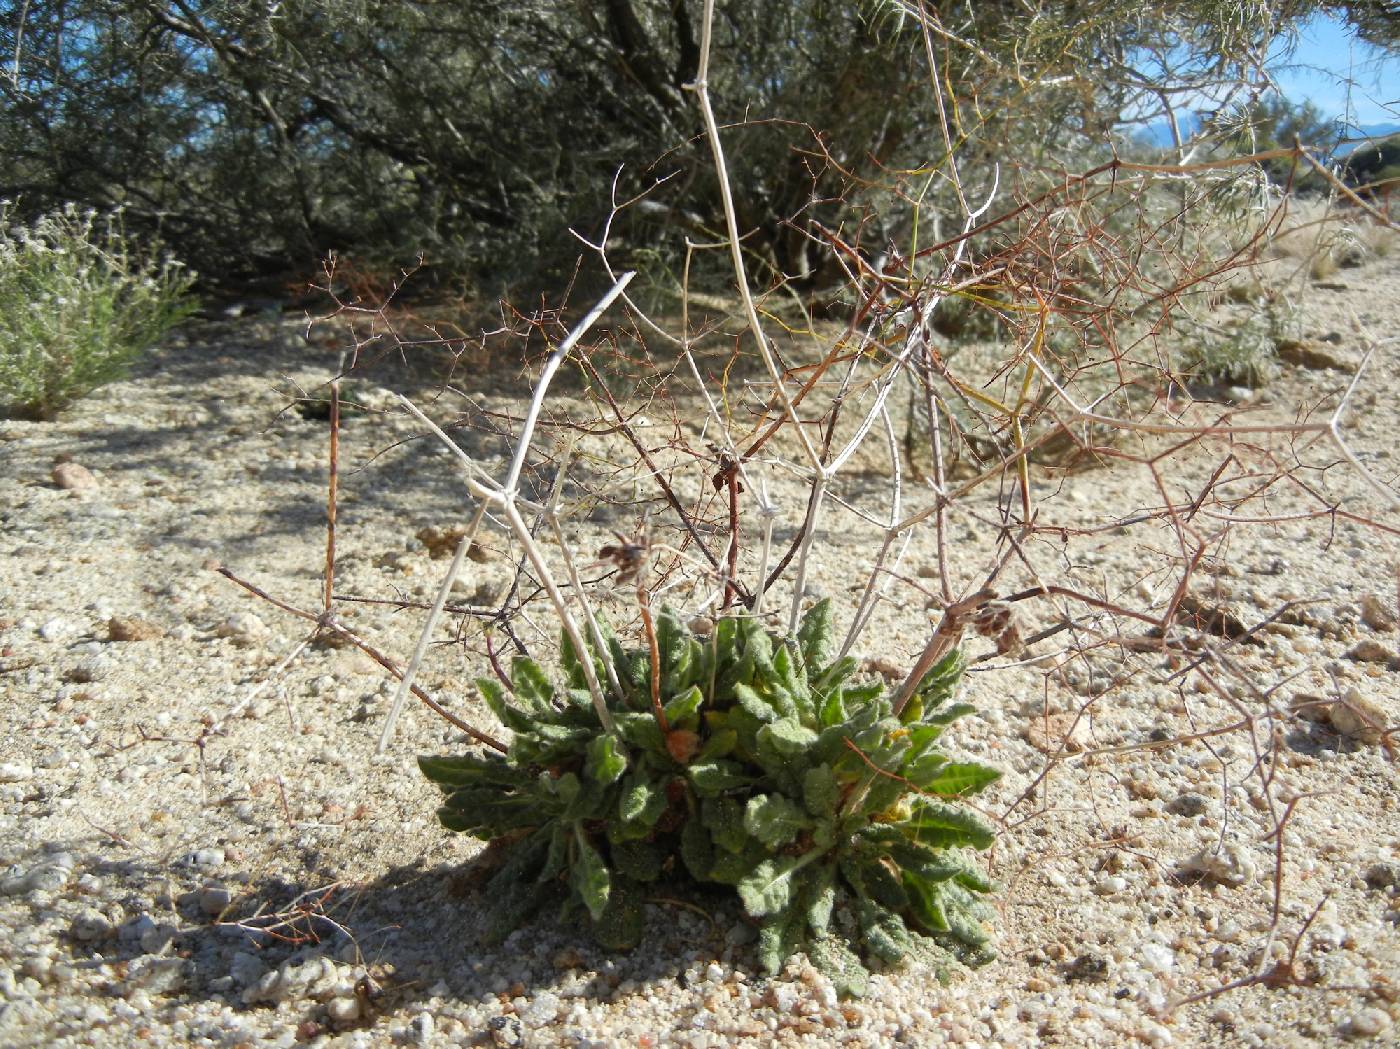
(78, 304)
(1243, 351)
(743, 760)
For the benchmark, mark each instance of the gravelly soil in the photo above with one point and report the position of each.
(173, 764)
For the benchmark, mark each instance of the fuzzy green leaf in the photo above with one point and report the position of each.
(720, 744)
(621, 924)
(641, 731)
(637, 860)
(715, 777)
(947, 715)
(957, 779)
(940, 824)
(839, 964)
(469, 770)
(589, 876)
(495, 697)
(821, 898)
(724, 817)
(779, 938)
(730, 868)
(768, 889)
(531, 686)
(639, 807)
(941, 681)
(820, 791)
(756, 705)
(606, 760)
(774, 820)
(685, 705)
(814, 636)
(884, 932)
(697, 851)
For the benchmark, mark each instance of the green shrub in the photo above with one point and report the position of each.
(78, 304)
(770, 773)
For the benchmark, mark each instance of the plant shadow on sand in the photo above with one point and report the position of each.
(299, 941)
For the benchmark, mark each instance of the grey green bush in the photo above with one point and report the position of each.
(79, 303)
(768, 771)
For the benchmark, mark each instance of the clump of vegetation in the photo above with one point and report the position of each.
(1242, 351)
(79, 303)
(741, 760)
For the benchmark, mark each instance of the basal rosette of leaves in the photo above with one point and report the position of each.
(777, 774)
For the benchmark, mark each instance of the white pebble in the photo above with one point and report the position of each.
(15, 772)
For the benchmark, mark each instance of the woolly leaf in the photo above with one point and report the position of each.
(724, 817)
(637, 860)
(639, 807)
(872, 879)
(768, 889)
(495, 697)
(719, 744)
(756, 705)
(820, 791)
(779, 939)
(606, 760)
(641, 731)
(733, 867)
(883, 932)
(821, 898)
(531, 686)
(622, 922)
(697, 850)
(814, 636)
(941, 681)
(589, 876)
(839, 964)
(957, 779)
(947, 715)
(685, 705)
(774, 820)
(936, 823)
(788, 737)
(714, 777)
(449, 772)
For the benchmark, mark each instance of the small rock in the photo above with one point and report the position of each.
(214, 899)
(1047, 732)
(246, 969)
(1377, 614)
(155, 975)
(567, 958)
(243, 628)
(1369, 650)
(91, 925)
(543, 1009)
(1359, 716)
(506, 1031)
(121, 628)
(1158, 957)
(203, 858)
(58, 630)
(1230, 865)
(1369, 1022)
(343, 1010)
(15, 772)
(422, 1028)
(93, 668)
(1110, 884)
(1090, 968)
(1383, 875)
(73, 477)
(1188, 805)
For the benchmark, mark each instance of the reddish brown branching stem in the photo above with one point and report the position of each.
(644, 604)
(329, 624)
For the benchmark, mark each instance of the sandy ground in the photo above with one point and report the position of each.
(202, 848)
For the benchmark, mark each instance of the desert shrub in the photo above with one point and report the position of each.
(742, 760)
(79, 303)
(1242, 350)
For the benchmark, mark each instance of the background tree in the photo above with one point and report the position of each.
(258, 136)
